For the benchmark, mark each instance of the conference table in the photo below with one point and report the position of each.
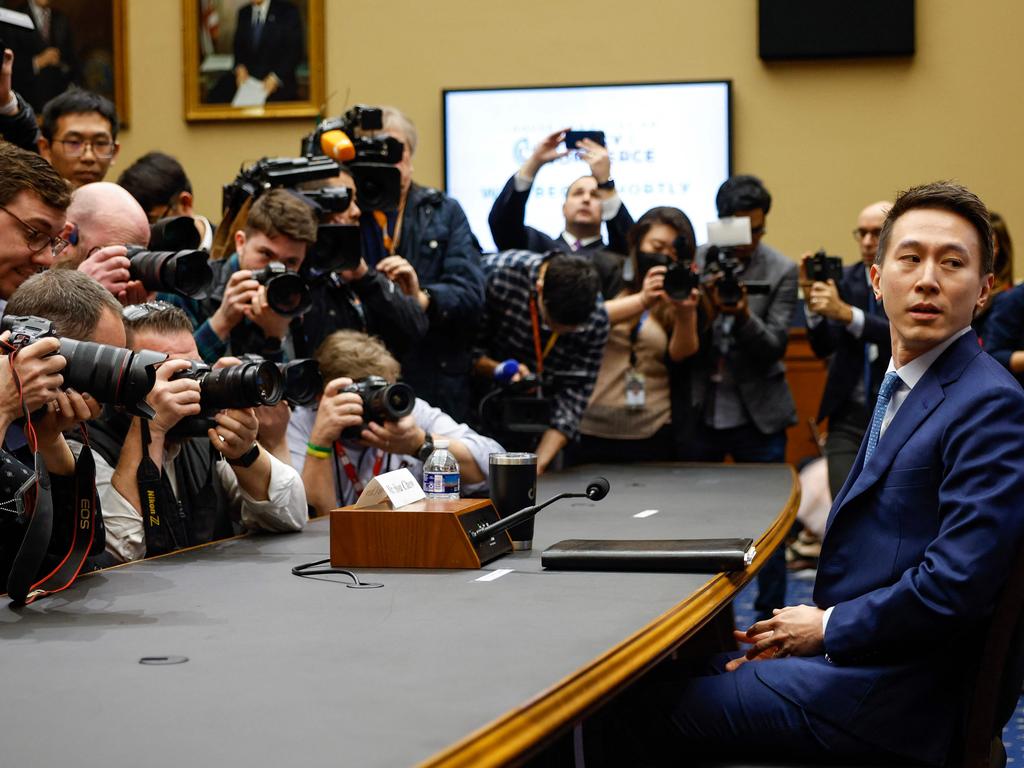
(435, 668)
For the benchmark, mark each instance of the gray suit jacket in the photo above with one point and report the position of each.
(759, 344)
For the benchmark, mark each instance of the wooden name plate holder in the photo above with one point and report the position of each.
(424, 534)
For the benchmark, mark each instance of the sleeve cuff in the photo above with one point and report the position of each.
(856, 324)
(824, 619)
(610, 206)
(813, 319)
(11, 108)
(522, 182)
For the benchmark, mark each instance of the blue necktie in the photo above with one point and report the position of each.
(889, 384)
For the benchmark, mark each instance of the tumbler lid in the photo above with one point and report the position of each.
(513, 458)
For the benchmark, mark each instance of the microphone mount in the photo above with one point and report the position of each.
(596, 490)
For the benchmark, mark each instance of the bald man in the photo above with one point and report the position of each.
(847, 323)
(105, 218)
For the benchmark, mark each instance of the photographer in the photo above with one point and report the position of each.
(361, 298)
(741, 400)
(588, 201)
(104, 218)
(335, 468)
(845, 322)
(428, 250)
(17, 119)
(192, 496)
(237, 318)
(653, 328)
(544, 311)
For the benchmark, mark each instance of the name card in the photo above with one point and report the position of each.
(396, 488)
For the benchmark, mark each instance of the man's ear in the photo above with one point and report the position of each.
(44, 148)
(986, 291)
(876, 281)
(185, 202)
(239, 242)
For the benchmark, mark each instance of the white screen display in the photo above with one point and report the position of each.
(669, 145)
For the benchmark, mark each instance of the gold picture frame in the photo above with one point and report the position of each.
(89, 38)
(216, 32)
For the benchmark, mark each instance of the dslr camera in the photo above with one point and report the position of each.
(821, 268)
(112, 375)
(247, 385)
(185, 272)
(381, 402)
(720, 268)
(287, 291)
(303, 381)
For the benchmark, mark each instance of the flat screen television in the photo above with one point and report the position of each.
(670, 144)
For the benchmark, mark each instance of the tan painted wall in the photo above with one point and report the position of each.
(827, 137)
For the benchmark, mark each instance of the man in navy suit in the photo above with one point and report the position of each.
(845, 322)
(269, 46)
(919, 541)
(588, 201)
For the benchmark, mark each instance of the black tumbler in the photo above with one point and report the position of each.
(513, 481)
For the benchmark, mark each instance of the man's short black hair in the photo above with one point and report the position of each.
(571, 287)
(742, 193)
(76, 101)
(154, 179)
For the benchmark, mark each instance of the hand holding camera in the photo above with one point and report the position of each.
(818, 277)
(546, 151)
(273, 324)
(38, 366)
(729, 296)
(111, 267)
(173, 398)
(399, 437)
(238, 297)
(339, 410)
(234, 432)
(66, 410)
(596, 156)
(401, 273)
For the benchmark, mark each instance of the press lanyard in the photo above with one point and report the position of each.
(633, 336)
(535, 319)
(350, 470)
(390, 241)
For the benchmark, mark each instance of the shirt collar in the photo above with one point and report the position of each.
(912, 372)
(584, 241)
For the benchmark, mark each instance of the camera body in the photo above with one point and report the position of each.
(288, 293)
(112, 375)
(381, 402)
(821, 268)
(720, 268)
(251, 384)
(680, 279)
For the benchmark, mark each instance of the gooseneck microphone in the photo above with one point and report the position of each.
(597, 489)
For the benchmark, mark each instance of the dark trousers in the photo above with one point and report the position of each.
(747, 444)
(602, 450)
(846, 428)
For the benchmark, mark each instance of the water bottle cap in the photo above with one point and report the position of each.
(440, 442)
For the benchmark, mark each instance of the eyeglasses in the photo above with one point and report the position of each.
(135, 312)
(860, 233)
(37, 240)
(102, 148)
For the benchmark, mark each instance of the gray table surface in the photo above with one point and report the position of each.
(284, 670)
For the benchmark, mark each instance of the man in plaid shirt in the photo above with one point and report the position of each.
(545, 306)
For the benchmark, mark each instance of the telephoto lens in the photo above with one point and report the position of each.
(186, 273)
(238, 386)
(287, 292)
(111, 374)
(303, 381)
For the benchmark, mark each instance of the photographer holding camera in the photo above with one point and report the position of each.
(845, 322)
(361, 298)
(365, 425)
(653, 328)
(164, 488)
(238, 318)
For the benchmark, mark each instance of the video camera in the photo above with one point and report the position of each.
(381, 402)
(523, 407)
(721, 263)
(371, 159)
(303, 382)
(247, 385)
(821, 268)
(110, 374)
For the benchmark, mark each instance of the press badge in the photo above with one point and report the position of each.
(636, 391)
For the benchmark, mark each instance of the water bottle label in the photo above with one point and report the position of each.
(441, 482)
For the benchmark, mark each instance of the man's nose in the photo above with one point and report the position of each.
(927, 278)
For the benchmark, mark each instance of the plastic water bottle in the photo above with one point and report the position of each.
(441, 478)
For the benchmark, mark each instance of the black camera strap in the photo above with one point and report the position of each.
(156, 520)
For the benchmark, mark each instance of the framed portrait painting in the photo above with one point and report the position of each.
(60, 44)
(252, 59)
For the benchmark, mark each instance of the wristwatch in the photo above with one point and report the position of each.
(247, 458)
(424, 451)
(610, 184)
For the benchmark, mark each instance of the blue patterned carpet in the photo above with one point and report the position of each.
(798, 590)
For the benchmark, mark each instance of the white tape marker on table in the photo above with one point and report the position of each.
(495, 574)
(646, 513)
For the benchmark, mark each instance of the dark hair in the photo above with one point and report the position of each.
(71, 300)
(28, 172)
(77, 101)
(947, 196)
(1003, 264)
(154, 179)
(670, 217)
(279, 212)
(571, 287)
(742, 193)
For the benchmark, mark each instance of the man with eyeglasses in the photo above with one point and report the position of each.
(79, 136)
(845, 322)
(33, 202)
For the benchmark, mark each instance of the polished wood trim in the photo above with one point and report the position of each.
(513, 736)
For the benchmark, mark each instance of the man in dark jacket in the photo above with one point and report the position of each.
(17, 120)
(427, 248)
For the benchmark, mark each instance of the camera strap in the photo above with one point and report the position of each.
(350, 470)
(160, 536)
(535, 320)
(634, 336)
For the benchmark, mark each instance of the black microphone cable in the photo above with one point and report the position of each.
(310, 569)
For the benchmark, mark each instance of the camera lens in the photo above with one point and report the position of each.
(379, 186)
(303, 382)
(241, 386)
(288, 294)
(679, 281)
(186, 273)
(392, 402)
(111, 374)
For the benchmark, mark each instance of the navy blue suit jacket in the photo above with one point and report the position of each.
(280, 50)
(830, 337)
(511, 234)
(918, 545)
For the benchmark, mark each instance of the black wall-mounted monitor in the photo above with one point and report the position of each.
(817, 29)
